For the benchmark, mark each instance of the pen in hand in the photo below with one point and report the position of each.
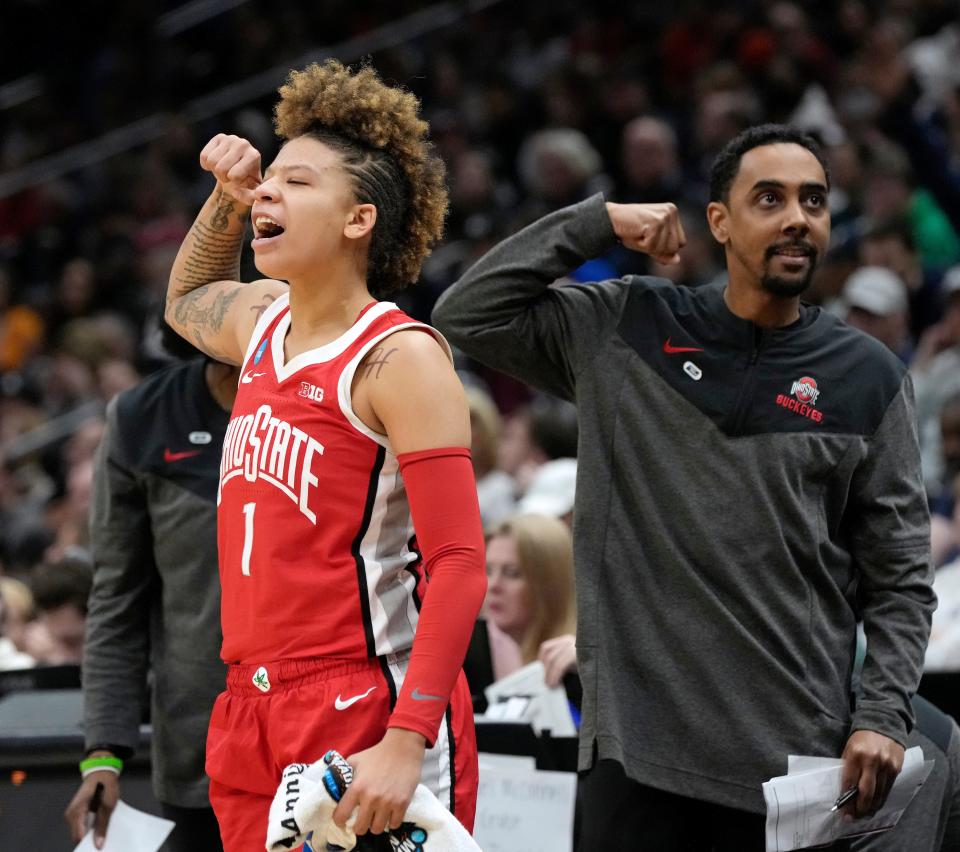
(843, 798)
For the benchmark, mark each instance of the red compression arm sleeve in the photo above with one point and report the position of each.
(446, 516)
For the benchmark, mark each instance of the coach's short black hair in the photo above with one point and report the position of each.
(727, 164)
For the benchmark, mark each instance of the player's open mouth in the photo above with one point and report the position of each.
(266, 228)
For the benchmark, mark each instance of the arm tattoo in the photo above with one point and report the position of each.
(197, 301)
(199, 309)
(377, 362)
(212, 351)
(210, 252)
(221, 216)
(210, 257)
(261, 308)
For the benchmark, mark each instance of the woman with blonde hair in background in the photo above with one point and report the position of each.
(495, 487)
(529, 607)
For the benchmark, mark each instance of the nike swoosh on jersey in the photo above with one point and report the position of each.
(672, 350)
(417, 695)
(342, 704)
(169, 456)
(249, 377)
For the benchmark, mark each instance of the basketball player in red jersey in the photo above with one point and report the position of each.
(351, 550)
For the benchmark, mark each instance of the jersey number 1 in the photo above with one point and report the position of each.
(248, 510)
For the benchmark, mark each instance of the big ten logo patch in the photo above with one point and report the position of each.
(311, 392)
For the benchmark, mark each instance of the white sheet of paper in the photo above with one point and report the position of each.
(522, 762)
(130, 830)
(525, 697)
(511, 709)
(799, 803)
(525, 810)
(800, 763)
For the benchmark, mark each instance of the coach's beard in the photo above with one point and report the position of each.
(778, 285)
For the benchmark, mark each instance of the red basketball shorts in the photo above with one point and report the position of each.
(294, 711)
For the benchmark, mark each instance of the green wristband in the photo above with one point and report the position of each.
(92, 764)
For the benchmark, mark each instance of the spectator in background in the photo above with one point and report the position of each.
(529, 602)
(535, 433)
(649, 163)
(74, 296)
(24, 489)
(874, 299)
(846, 179)
(21, 329)
(60, 592)
(936, 376)
(495, 488)
(67, 515)
(890, 191)
(19, 611)
(551, 491)
(943, 649)
(558, 166)
(944, 531)
(477, 199)
(725, 106)
(890, 243)
(155, 604)
(11, 657)
(650, 170)
(911, 96)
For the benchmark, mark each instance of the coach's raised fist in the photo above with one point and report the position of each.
(654, 229)
(235, 163)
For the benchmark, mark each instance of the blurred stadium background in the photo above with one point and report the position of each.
(104, 107)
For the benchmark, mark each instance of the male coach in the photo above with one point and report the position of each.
(155, 602)
(748, 488)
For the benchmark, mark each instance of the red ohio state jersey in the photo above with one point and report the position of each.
(317, 550)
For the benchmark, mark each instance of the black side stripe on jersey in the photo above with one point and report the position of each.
(414, 569)
(391, 683)
(358, 558)
(448, 721)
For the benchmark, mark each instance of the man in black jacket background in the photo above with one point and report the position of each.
(155, 604)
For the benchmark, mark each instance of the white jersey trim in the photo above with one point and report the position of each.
(263, 322)
(345, 385)
(327, 352)
(435, 771)
(386, 557)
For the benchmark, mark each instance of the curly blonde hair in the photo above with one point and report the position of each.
(383, 141)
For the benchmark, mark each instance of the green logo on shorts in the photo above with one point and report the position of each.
(261, 681)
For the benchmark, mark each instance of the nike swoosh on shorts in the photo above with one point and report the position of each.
(342, 704)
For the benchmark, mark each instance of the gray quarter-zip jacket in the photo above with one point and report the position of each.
(155, 602)
(744, 495)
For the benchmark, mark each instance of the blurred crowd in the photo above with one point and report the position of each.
(533, 106)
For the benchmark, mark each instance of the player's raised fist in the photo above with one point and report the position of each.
(235, 163)
(653, 229)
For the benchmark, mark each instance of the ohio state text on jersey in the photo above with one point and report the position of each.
(317, 549)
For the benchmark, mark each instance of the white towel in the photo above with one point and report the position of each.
(303, 807)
